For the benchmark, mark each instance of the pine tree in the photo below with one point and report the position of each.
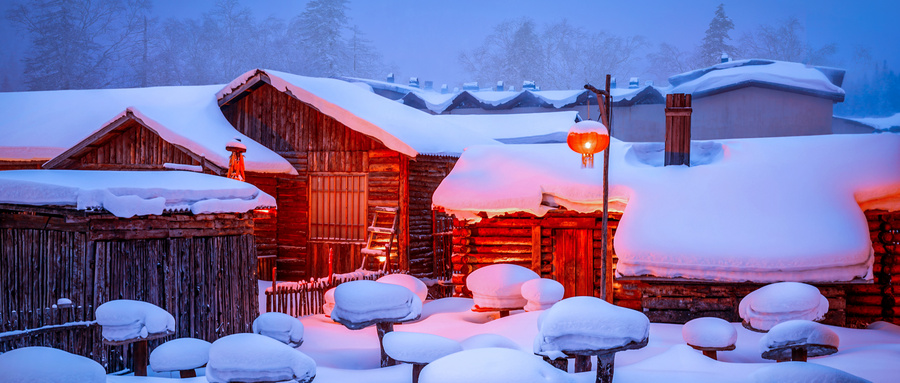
(715, 43)
(321, 28)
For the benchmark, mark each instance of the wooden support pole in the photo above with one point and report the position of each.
(605, 367)
(798, 354)
(678, 129)
(384, 328)
(582, 363)
(605, 268)
(141, 358)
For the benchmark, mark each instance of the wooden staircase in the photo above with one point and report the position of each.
(380, 239)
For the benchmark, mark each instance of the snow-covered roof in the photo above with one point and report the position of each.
(890, 123)
(400, 128)
(780, 75)
(129, 193)
(705, 221)
(519, 128)
(47, 124)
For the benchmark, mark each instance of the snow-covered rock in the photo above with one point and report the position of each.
(588, 323)
(358, 304)
(257, 358)
(499, 286)
(492, 365)
(410, 282)
(328, 306)
(281, 327)
(779, 302)
(798, 332)
(48, 365)
(125, 319)
(542, 293)
(180, 354)
(709, 332)
(801, 372)
(488, 340)
(416, 347)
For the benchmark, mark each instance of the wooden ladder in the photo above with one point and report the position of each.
(377, 234)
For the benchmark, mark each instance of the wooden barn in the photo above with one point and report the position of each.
(686, 246)
(354, 153)
(72, 240)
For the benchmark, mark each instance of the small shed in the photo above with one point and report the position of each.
(71, 240)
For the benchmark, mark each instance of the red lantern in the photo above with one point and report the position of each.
(588, 137)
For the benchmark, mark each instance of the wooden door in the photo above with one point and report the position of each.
(573, 261)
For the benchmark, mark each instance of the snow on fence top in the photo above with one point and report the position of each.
(400, 128)
(767, 209)
(504, 127)
(788, 76)
(43, 125)
(129, 193)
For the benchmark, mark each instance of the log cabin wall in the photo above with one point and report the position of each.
(201, 269)
(425, 174)
(21, 164)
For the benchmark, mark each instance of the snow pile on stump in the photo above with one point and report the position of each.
(492, 365)
(48, 365)
(410, 282)
(709, 332)
(179, 355)
(588, 323)
(281, 327)
(359, 304)
(257, 358)
(799, 372)
(814, 338)
(542, 293)
(328, 306)
(124, 319)
(499, 286)
(488, 340)
(422, 348)
(780, 302)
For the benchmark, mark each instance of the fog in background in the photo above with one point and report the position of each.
(59, 44)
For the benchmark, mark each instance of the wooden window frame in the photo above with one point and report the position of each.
(338, 207)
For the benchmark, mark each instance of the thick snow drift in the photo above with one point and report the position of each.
(48, 365)
(281, 327)
(488, 340)
(359, 304)
(542, 293)
(410, 282)
(415, 347)
(780, 302)
(130, 193)
(180, 354)
(257, 358)
(709, 332)
(499, 286)
(802, 372)
(125, 319)
(588, 323)
(492, 365)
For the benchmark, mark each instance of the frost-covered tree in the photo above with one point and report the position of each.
(365, 61)
(320, 30)
(715, 42)
(512, 53)
(786, 41)
(667, 61)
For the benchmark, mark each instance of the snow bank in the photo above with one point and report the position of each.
(795, 332)
(414, 347)
(130, 193)
(542, 293)
(588, 323)
(48, 365)
(499, 286)
(126, 319)
(257, 358)
(889, 123)
(281, 327)
(774, 74)
(180, 354)
(705, 222)
(779, 302)
(709, 332)
(410, 282)
(491, 365)
(802, 372)
(328, 306)
(487, 341)
(358, 304)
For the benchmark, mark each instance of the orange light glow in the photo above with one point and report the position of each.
(264, 211)
(588, 137)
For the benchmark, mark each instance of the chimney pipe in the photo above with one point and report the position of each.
(678, 129)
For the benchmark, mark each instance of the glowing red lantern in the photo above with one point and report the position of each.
(588, 137)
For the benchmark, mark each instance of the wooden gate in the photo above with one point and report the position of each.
(573, 261)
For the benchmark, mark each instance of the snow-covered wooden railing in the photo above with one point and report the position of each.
(307, 297)
(62, 327)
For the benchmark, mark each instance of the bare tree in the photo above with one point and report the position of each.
(365, 61)
(785, 41)
(667, 61)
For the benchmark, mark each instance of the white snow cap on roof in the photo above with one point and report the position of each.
(129, 193)
(401, 128)
(778, 74)
(502, 126)
(705, 222)
(44, 124)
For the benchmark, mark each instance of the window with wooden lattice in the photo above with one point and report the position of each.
(338, 207)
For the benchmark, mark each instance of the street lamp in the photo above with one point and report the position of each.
(589, 137)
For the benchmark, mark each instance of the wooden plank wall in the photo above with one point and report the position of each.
(134, 147)
(19, 165)
(880, 300)
(678, 129)
(425, 174)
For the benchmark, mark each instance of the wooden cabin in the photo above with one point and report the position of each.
(61, 261)
(353, 152)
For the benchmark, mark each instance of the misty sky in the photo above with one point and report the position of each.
(424, 37)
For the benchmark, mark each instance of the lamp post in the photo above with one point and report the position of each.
(589, 137)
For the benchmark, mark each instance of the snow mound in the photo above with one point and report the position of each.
(797, 332)
(491, 365)
(653, 153)
(802, 372)
(49, 365)
(421, 348)
(542, 293)
(126, 319)
(180, 354)
(588, 323)
(410, 282)
(281, 327)
(488, 340)
(779, 302)
(499, 286)
(257, 358)
(328, 306)
(359, 304)
(709, 332)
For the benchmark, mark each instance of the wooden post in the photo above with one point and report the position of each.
(798, 354)
(141, 358)
(384, 328)
(606, 266)
(416, 370)
(582, 363)
(678, 129)
(605, 367)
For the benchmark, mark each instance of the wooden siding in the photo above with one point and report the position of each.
(425, 174)
(134, 147)
(20, 165)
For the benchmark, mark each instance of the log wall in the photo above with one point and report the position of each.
(20, 165)
(425, 174)
(201, 269)
(132, 146)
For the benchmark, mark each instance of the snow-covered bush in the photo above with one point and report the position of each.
(542, 293)
(180, 354)
(499, 286)
(48, 365)
(281, 327)
(780, 302)
(257, 358)
(410, 282)
(125, 319)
